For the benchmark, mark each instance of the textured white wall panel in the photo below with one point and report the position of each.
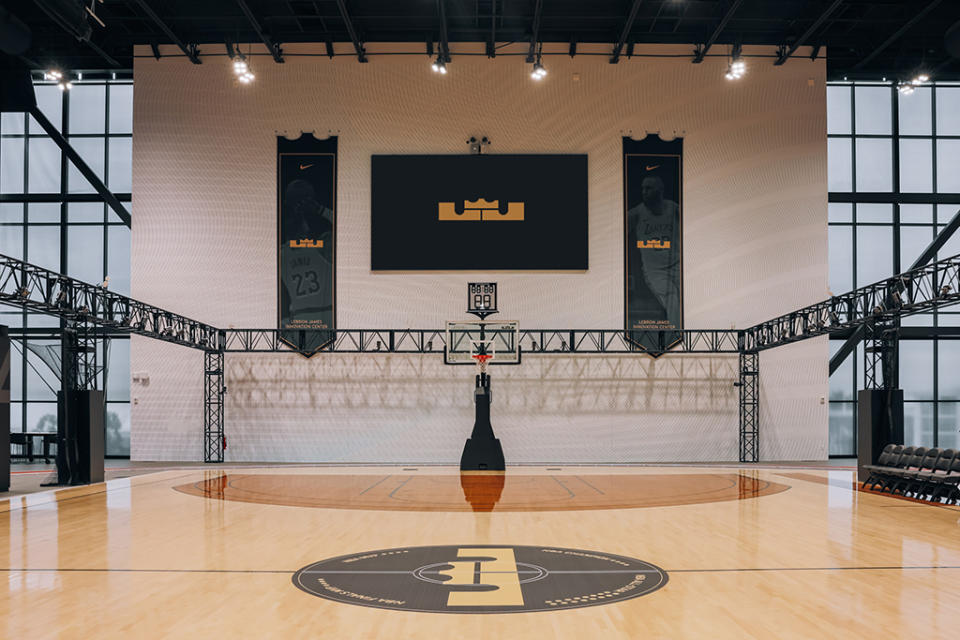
(755, 232)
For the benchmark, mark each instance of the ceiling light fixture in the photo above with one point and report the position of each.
(54, 75)
(737, 67)
(241, 69)
(538, 71)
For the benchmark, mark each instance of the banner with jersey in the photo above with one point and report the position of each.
(306, 229)
(653, 231)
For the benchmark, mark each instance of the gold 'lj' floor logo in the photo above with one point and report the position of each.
(480, 578)
(479, 211)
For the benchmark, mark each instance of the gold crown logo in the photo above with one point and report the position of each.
(481, 204)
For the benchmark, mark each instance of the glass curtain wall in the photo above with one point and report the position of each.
(894, 182)
(51, 216)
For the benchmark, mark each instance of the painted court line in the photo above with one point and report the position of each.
(668, 571)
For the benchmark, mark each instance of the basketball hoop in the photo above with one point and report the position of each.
(482, 359)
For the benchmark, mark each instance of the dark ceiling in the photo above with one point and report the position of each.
(864, 39)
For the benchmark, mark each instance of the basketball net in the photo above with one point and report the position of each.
(481, 359)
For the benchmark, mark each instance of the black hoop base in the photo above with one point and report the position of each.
(482, 451)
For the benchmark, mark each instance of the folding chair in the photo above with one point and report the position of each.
(931, 480)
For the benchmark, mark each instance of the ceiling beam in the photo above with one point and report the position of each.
(625, 32)
(85, 37)
(535, 32)
(357, 45)
(702, 50)
(272, 47)
(444, 43)
(190, 52)
(785, 53)
(899, 32)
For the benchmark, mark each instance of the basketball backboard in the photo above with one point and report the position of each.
(500, 340)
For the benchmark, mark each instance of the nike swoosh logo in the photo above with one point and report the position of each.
(649, 168)
(305, 166)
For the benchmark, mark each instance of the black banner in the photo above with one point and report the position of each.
(306, 228)
(479, 212)
(653, 231)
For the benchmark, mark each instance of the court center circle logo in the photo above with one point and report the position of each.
(480, 579)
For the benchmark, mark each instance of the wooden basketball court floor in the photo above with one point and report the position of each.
(770, 552)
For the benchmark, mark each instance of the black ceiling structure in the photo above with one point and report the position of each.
(863, 39)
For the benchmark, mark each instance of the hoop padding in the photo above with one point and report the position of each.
(462, 338)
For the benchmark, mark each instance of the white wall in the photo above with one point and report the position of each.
(755, 233)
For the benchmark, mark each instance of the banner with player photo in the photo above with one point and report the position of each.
(306, 229)
(653, 231)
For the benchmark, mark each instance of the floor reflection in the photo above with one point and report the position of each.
(482, 489)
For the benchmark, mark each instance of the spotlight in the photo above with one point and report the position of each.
(538, 71)
(736, 69)
(241, 69)
(439, 65)
(905, 88)
(55, 75)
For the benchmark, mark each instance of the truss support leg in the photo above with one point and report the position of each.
(214, 442)
(78, 374)
(880, 356)
(749, 384)
(880, 402)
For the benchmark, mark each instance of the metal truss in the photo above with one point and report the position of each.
(25, 285)
(79, 357)
(749, 385)
(532, 341)
(214, 441)
(932, 286)
(880, 370)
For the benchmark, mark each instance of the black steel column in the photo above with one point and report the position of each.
(213, 390)
(881, 344)
(749, 384)
(78, 356)
(4, 409)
